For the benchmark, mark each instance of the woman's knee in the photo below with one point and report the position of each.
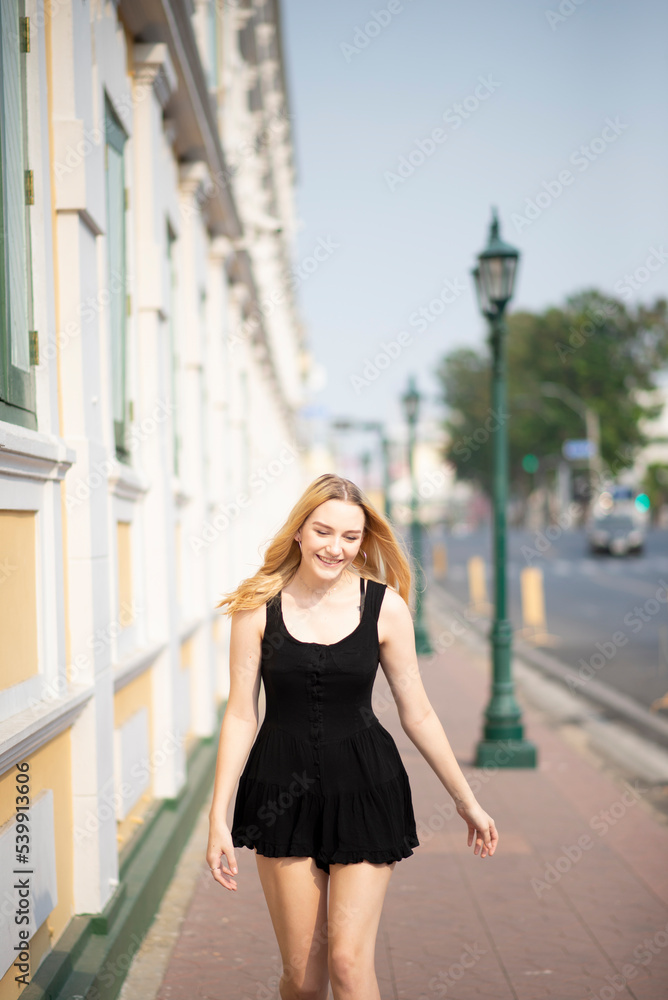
(348, 964)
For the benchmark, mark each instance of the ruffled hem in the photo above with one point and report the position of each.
(382, 856)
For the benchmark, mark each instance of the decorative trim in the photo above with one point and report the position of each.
(153, 67)
(194, 178)
(31, 729)
(136, 664)
(33, 455)
(125, 482)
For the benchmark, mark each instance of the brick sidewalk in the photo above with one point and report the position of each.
(573, 904)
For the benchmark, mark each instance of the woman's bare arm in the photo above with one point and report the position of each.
(420, 722)
(239, 725)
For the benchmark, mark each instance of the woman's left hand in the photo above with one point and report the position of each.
(481, 826)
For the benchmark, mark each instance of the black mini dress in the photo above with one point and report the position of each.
(324, 779)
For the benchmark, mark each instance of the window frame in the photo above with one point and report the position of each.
(18, 397)
(116, 137)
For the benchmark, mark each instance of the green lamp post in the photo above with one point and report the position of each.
(503, 740)
(411, 401)
(378, 427)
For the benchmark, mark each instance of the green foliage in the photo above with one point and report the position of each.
(655, 485)
(604, 353)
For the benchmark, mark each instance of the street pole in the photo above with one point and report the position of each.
(502, 743)
(422, 643)
(385, 452)
(378, 427)
(503, 717)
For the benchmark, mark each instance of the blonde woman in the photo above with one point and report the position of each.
(323, 796)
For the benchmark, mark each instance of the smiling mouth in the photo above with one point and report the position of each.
(327, 562)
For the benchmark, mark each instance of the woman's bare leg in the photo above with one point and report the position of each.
(296, 894)
(356, 896)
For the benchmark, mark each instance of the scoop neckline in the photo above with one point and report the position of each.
(326, 644)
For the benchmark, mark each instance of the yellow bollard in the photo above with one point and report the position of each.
(440, 561)
(533, 609)
(478, 601)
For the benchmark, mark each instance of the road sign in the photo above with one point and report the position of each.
(575, 449)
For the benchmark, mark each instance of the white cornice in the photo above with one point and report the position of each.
(33, 455)
(24, 733)
(153, 67)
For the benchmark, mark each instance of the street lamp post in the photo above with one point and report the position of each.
(411, 400)
(379, 427)
(503, 740)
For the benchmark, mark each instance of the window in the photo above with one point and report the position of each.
(174, 365)
(17, 379)
(115, 138)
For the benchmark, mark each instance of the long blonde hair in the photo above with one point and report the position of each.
(386, 562)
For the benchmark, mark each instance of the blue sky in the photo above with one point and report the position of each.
(516, 94)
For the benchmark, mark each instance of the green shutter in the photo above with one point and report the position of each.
(17, 383)
(115, 141)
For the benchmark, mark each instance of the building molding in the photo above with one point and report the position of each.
(154, 68)
(136, 664)
(26, 732)
(33, 454)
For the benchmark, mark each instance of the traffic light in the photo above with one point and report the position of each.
(530, 463)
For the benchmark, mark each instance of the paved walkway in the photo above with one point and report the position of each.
(574, 904)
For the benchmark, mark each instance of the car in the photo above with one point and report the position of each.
(617, 534)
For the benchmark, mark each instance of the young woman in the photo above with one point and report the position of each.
(323, 795)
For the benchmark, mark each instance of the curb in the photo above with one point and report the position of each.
(616, 704)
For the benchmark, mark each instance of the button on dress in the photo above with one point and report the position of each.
(324, 779)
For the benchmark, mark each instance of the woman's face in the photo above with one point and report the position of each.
(331, 537)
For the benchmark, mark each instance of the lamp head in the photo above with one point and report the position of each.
(497, 265)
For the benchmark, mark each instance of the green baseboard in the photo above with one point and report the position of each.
(91, 957)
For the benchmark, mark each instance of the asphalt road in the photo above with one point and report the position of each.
(610, 613)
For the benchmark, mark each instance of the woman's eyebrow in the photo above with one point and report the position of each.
(351, 531)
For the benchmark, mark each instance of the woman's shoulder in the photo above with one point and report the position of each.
(249, 622)
(393, 603)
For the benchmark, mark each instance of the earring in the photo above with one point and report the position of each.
(364, 563)
(299, 544)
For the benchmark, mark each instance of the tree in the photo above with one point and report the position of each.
(594, 346)
(655, 485)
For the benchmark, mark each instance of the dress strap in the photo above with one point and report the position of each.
(362, 596)
(374, 598)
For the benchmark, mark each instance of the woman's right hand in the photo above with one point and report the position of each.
(220, 843)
